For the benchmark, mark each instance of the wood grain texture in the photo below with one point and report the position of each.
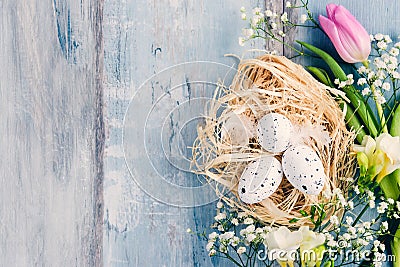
(52, 136)
(142, 38)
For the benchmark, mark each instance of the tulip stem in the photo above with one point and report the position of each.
(379, 108)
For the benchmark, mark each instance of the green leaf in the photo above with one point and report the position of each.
(321, 75)
(304, 213)
(354, 96)
(293, 220)
(353, 121)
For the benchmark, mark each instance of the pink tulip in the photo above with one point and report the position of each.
(350, 39)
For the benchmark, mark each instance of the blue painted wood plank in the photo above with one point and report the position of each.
(50, 171)
(142, 38)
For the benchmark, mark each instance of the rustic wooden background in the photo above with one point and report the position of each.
(68, 72)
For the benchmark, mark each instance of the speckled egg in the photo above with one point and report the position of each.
(260, 179)
(274, 132)
(303, 169)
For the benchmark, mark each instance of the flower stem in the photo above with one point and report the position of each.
(378, 106)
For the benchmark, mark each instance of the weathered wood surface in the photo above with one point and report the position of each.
(143, 38)
(51, 133)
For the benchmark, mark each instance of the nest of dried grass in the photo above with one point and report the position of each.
(273, 84)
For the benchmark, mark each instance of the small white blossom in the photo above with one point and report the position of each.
(241, 250)
(349, 220)
(372, 204)
(362, 81)
(288, 4)
(248, 33)
(334, 220)
(248, 221)
(388, 39)
(227, 236)
(213, 236)
(362, 69)
(394, 51)
(384, 226)
(250, 237)
(268, 13)
(242, 9)
(221, 216)
(342, 84)
(382, 207)
(256, 10)
(382, 45)
(284, 17)
(281, 33)
(336, 81)
(386, 86)
(378, 36)
(220, 228)
(378, 83)
(303, 18)
(243, 16)
(220, 205)
(241, 41)
(209, 246)
(235, 221)
(212, 252)
(274, 25)
(390, 201)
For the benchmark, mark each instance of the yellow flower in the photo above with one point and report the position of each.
(383, 155)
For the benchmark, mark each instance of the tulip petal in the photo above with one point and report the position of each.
(330, 9)
(331, 30)
(354, 37)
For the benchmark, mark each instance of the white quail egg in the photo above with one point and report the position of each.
(274, 132)
(303, 169)
(260, 179)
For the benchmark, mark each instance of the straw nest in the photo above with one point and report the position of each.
(274, 84)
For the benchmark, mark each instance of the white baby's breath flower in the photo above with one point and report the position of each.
(355, 188)
(242, 9)
(250, 229)
(274, 25)
(378, 36)
(243, 16)
(349, 220)
(209, 246)
(303, 18)
(281, 33)
(334, 220)
(284, 17)
(241, 41)
(372, 204)
(362, 69)
(248, 221)
(390, 201)
(336, 81)
(256, 10)
(212, 252)
(241, 250)
(350, 205)
(227, 236)
(397, 45)
(220, 205)
(288, 4)
(235, 221)
(346, 236)
(212, 236)
(221, 216)
(378, 83)
(220, 228)
(382, 207)
(248, 33)
(382, 45)
(268, 13)
(250, 237)
(388, 39)
(384, 226)
(342, 84)
(362, 81)
(386, 86)
(394, 51)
